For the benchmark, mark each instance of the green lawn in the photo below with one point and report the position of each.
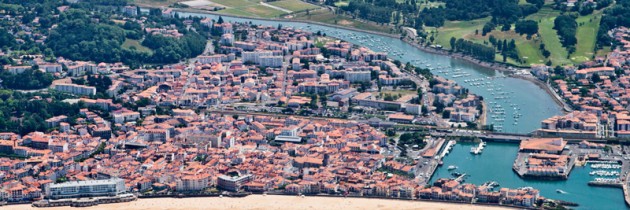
(235, 3)
(250, 8)
(132, 43)
(549, 36)
(293, 5)
(586, 35)
(457, 29)
(528, 50)
(325, 16)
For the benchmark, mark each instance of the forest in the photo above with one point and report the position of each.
(30, 79)
(27, 112)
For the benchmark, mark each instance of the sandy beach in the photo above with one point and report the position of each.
(268, 202)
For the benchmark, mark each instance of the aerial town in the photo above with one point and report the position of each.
(282, 110)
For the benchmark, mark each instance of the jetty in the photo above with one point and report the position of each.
(447, 149)
(477, 150)
(606, 182)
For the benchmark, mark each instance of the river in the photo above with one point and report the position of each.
(508, 98)
(516, 106)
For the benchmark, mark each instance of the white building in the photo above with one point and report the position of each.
(358, 76)
(91, 188)
(271, 61)
(254, 57)
(76, 89)
(192, 182)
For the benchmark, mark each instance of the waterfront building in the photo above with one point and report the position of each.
(546, 145)
(233, 183)
(90, 188)
(193, 182)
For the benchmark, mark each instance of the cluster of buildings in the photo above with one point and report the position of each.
(454, 190)
(575, 124)
(544, 158)
(192, 145)
(461, 106)
(597, 90)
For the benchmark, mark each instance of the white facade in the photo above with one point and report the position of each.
(91, 188)
(76, 89)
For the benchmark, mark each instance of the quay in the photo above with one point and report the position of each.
(606, 184)
(85, 202)
(624, 186)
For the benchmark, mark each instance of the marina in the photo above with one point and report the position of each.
(495, 87)
(495, 165)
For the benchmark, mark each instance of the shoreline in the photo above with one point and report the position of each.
(505, 68)
(565, 107)
(275, 202)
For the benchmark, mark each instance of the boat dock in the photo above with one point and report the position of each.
(477, 150)
(447, 149)
(606, 182)
(624, 186)
(461, 178)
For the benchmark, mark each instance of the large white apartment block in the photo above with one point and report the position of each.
(76, 89)
(254, 57)
(358, 76)
(50, 68)
(91, 188)
(271, 61)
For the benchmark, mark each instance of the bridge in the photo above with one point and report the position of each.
(434, 130)
(508, 137)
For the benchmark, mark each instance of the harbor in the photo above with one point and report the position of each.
(495, 165)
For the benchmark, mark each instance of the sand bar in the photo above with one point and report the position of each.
(269, 202)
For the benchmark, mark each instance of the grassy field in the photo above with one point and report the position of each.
(326, 16)
(457, 29)
(132, 43)
(251, 8)
(293, 5)
(235, 3)
(586, 35)
(549, 36)
(528, 49)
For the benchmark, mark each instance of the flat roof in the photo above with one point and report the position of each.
(289, 138)
(87, 183)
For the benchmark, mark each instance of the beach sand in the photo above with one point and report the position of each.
(256, 202)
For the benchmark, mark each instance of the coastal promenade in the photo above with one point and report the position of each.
(278, 202)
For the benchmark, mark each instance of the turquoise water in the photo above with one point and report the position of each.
(524, 97)
(495, 164)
